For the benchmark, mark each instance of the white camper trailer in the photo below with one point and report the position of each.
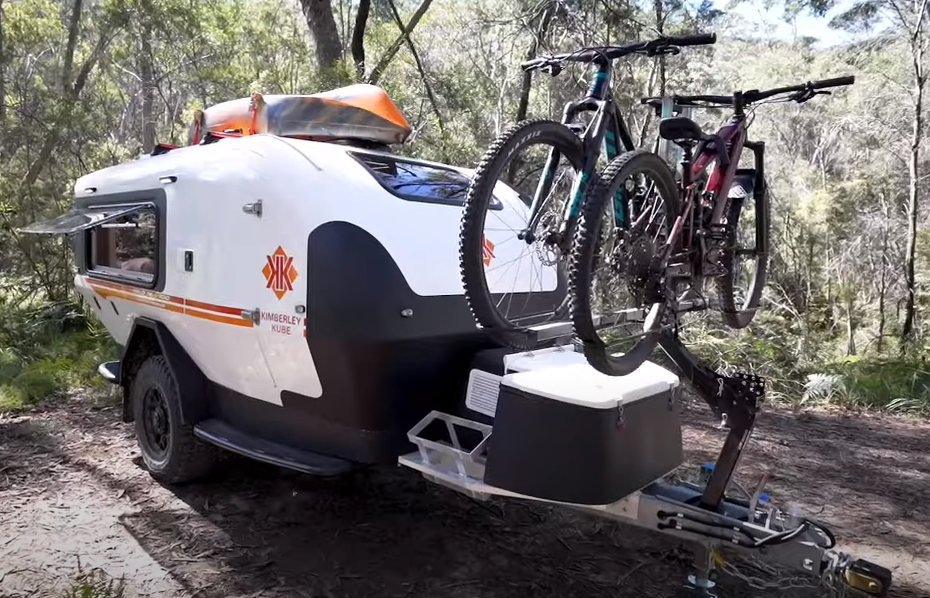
(286, 287)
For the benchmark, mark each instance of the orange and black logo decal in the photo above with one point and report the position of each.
(280, 272)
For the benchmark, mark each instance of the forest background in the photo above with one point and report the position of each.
(85, 84)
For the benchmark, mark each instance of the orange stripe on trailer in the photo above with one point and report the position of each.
(189, 307)
(136, 291)
(205, 315)
(210, 307)
(107, 293)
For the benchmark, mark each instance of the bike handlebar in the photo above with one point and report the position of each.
(698, 39)
(802, 93)
(660, 45)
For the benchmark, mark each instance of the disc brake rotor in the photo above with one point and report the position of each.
(547, 251)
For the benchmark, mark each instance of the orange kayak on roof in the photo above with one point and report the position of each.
(359, 111)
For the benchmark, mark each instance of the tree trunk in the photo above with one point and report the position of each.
(660, 27)
(74, 28)
(907, 330)
(883, 280)
(396, 45)
(422, 70)
(541, 32)
(2, 71)
(70, 91)
(146, 71)
(526, 85)
(881, 308)
(358, 38)
(850, 328)
(322, 25)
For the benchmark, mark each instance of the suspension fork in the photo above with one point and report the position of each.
(593, 138)
(759, 190)
(545, 181)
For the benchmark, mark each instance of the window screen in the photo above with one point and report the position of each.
(126, 246)
(78, 219)
(415, 181)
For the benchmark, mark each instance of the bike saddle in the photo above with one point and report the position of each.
(682, 130)
(681, 127)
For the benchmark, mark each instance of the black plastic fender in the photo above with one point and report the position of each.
(148, 337)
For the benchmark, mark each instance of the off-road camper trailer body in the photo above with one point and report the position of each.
(332, 315)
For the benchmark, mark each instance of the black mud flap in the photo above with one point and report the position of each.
(192, 384)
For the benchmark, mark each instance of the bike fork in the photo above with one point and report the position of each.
(545, 182)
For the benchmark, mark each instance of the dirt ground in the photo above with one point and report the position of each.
(71, 487)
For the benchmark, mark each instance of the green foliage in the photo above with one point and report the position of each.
(836, 166)
(893, 384)
(95, 584)
(48, 348)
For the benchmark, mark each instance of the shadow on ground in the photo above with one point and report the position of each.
(254, 530)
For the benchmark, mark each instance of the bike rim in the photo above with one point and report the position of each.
(524, 272)
(746, 258)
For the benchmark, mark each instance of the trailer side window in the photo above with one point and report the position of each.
(126, 247)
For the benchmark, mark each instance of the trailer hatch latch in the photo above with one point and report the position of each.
(253, 208)
(254, 315)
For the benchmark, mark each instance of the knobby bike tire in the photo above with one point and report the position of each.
(584, 252)
(477, 200)
(733, 316)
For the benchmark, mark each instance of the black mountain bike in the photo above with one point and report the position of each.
(550, 192)
(665, 235)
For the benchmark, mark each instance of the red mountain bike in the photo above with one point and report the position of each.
(662, 236)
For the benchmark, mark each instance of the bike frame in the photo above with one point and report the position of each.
(606, 129)
(732, 135)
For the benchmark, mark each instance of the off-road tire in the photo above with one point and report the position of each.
(187, 458)
(585, 250)
(733, 316)
(477, 201)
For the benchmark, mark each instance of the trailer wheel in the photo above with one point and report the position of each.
(171, 452)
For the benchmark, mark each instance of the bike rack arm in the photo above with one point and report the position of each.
(736, 400)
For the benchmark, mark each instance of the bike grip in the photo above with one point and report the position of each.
(837, 82)
(700, 39)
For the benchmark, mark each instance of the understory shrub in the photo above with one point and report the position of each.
(47, 348)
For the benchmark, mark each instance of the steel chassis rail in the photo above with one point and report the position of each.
(700, 512)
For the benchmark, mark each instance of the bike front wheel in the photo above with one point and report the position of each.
(748, 224)
(618, 294)
(510, 252)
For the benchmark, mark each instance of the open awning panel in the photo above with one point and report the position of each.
(79, 219)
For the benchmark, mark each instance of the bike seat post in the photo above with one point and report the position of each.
(686, 157)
